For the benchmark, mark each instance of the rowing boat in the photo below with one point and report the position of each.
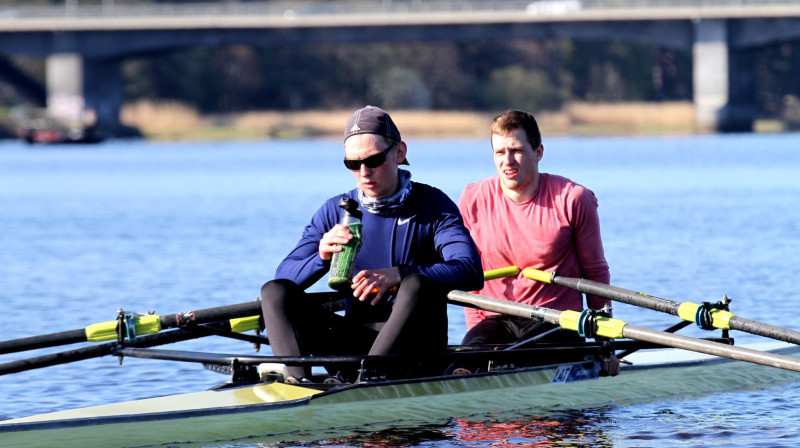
(273, 410)
(257, 404)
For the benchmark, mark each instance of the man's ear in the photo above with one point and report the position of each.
(402, 149)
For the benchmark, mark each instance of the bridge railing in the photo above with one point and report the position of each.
(293, 9)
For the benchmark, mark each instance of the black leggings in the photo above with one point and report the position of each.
(416, 321)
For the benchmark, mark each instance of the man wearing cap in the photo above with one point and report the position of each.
(415, 249)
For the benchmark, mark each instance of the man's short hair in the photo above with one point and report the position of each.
(511, 120)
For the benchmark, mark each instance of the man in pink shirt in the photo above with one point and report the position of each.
(521, 217)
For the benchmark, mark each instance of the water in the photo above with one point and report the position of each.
(85, 230)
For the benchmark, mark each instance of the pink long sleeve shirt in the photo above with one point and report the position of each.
(557, 230)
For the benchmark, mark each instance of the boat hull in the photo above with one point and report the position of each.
(270, 412)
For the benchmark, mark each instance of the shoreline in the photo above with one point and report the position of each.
(173, 121)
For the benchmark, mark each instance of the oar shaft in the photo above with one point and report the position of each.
(617, 294)
(711, 348)
(209, 315)
(78, 354)
(46, 340)
(504, 306)
(762, 329)
(95, 351)
(622, 329)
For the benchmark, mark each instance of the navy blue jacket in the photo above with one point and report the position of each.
(426, 233)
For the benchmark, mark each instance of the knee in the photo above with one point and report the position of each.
(419, 294)
(275, 292)
(485, 332)
(414, 283)
(471, 338)
(412, 288)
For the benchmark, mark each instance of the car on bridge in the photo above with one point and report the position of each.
(553, 6)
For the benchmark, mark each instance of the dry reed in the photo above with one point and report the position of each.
(171, 120)
(160, 119)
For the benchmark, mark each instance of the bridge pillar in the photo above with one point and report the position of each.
(723, 80)
(64, 82)
(710, 72)
(85, 92)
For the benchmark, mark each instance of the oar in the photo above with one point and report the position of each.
(242, 317)
(97, 351)
(614, 328)
(687, 311)
(138, 325)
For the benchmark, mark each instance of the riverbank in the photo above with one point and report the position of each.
(173, 121)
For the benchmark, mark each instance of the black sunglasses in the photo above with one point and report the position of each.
(372, 161)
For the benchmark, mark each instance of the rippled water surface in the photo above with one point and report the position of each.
(85, 230)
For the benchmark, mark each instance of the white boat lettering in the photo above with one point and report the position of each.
(575, 372)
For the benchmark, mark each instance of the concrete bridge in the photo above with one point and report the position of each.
(84, 44)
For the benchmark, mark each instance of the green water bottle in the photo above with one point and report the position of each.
(344, 263)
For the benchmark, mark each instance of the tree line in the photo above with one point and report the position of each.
(534, 75)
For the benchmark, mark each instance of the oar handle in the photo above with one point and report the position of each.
(500, 272)
(539, 276)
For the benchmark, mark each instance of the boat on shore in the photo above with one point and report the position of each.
(41, 131)
(39, 126)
